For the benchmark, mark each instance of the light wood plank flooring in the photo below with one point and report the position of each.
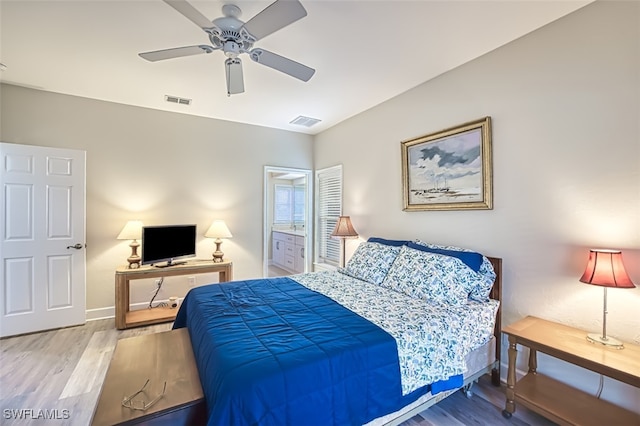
(274, 271)
(58, 374)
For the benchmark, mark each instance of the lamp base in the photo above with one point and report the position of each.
(134, 262)
(218, 254)
(218, 257)
(608, 341)
(134, 259)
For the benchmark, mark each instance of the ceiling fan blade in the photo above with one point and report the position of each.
(280, 63)
(235, 81)
(190, 12)
(176, 52)
(275, 16)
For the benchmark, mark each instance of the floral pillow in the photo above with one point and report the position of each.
(429, 276)
(371, 262)
(472, 259)
(479, 284)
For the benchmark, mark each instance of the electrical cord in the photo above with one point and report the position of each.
(155, 294)
(600, 387)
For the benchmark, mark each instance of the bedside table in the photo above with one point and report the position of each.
(557, 401)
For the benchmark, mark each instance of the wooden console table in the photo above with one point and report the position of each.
(126, 318)
(557, 401)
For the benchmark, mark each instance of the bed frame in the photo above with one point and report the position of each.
(494, 369)
(496, 293)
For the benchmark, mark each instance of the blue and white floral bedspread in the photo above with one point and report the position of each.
(432, 340)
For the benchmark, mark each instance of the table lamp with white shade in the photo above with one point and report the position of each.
(218, 230)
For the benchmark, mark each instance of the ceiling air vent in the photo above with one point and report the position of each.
(304, 121)
(177, 100)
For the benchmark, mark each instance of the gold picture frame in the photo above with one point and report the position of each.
(450, 169)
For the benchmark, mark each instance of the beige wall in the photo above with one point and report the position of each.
(160, 167)
(565, 105)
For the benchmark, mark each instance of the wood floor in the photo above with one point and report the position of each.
(54, 378)
(274, 271)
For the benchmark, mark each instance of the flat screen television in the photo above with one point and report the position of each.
(167, 244)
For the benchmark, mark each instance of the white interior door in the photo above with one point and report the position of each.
(42, 265)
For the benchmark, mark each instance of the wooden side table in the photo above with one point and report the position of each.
(555, 400)
(126, 318)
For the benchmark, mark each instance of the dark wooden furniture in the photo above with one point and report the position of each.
(496, 294)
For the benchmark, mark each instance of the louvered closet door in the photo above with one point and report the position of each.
(42, 265)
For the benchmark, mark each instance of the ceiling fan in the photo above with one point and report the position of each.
(234, 37)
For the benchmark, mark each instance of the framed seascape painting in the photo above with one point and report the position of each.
(450, 169)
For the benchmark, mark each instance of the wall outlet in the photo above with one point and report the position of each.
(191, 281)
(157, 287)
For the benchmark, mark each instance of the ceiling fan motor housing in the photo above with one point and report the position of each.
(229, 35)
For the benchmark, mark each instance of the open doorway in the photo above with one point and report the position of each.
(287, 225)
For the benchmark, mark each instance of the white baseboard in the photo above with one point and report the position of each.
(101, 313)
(110, 311)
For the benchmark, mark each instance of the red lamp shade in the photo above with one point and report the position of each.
(605, 268)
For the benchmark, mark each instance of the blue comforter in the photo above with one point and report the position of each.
(273, 352)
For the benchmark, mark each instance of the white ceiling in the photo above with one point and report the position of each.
(364, 52)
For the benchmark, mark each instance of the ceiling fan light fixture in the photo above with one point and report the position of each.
(231, 49)
(235, 80)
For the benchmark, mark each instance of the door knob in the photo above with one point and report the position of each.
(77, 246)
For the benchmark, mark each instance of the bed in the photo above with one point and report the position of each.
(403, 325)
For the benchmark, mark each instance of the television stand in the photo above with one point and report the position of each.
(170, 263)
(125, 318)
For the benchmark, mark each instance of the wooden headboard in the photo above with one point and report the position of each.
(496, 293)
